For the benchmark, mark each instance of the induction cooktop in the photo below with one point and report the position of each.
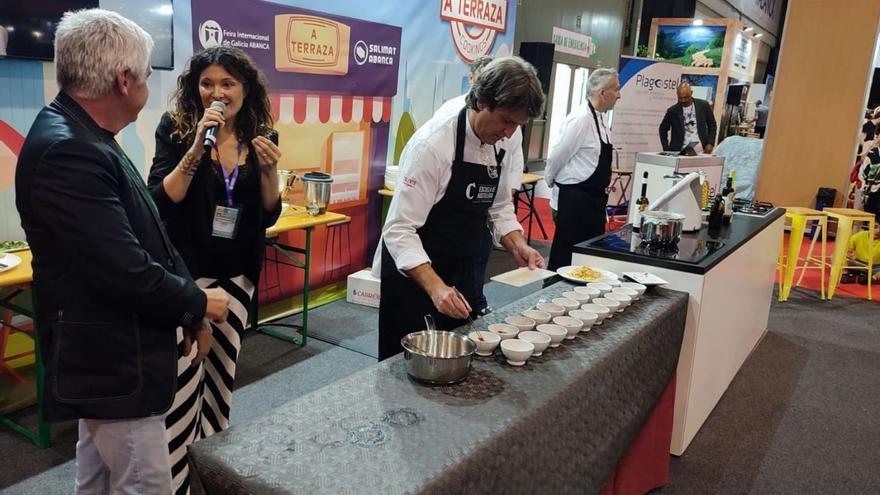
(689, 249)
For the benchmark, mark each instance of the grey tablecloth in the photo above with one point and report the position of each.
(559, 424)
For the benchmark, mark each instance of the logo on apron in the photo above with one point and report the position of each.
(493, 171)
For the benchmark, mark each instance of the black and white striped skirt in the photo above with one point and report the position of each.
(204, 393)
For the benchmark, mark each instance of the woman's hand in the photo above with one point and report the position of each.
(268, 154)
(213, 117)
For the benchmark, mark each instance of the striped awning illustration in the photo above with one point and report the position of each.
(312, 108)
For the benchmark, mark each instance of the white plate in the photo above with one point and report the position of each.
(565, 270)
(645, 278)
(522, 276)
(9, 261)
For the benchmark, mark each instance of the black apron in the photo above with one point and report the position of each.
(581, 213)
(451, 236)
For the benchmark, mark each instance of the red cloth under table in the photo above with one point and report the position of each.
(645, 466)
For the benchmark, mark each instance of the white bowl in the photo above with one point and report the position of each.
(504, 330)
(577, 296)
(557, 333)
(626, 291)
(553, 309)
(603, 288)
(636, 287)
(537, 339)
(571, 325)
(623, 299)
(588, 318)
(486, 342)
(601, 311)
(611, 304)
(613, 282)
(539, 316)
(517, 351)
(568, 304)
(524, 323)
(588, 291)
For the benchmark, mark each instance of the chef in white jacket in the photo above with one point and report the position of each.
(455, 177)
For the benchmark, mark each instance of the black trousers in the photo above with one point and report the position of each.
(581, 216)
(404, 304)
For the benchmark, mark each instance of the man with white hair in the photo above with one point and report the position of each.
(579, 164)
(110, 291)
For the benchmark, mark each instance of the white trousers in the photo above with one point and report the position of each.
(123, 457)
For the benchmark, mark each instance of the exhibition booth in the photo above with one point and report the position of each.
(584, 379)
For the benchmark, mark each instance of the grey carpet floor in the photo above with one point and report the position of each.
(798, 418)
(801, 416)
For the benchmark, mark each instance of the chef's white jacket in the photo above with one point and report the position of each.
(425, 171)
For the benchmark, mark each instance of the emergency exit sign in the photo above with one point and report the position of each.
(573, 43)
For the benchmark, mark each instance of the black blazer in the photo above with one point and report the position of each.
(109, 288)
(707, 129)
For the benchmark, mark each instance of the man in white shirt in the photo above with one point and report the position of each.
(579, 164)
(456, 176)
(448, 109)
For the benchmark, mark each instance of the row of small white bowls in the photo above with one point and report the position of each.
(550, 323)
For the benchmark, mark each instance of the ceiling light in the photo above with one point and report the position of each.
(698, 22)
(758, 35)
(747, 29)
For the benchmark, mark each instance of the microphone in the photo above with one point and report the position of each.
(211, 133)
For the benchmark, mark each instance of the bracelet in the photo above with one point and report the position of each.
(188, 164)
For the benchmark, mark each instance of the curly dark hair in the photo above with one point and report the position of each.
(254, 119)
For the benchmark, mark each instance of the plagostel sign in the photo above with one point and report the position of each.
(474, 25)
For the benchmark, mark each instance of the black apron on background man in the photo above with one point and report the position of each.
(451, 236)
(581, 213)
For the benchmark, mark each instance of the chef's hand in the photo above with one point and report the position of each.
(448, 302)
(446, 299)
(523, 254)
(708, 149)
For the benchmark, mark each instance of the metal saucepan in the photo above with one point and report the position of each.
(316, 189)
(437, 357)
(660, 228)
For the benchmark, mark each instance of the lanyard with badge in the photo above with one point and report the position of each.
(227, 218)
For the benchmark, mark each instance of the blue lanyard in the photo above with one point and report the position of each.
(231, 178)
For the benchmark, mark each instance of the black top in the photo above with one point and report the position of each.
(697, 251)
(190, 222)
(109, 287)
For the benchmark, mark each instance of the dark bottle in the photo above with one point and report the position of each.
(729, 193)
(716, 213)
(641, 203)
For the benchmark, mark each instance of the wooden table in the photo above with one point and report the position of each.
(12, 283)
(294, 218)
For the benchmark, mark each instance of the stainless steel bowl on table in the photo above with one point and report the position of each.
(437, 357)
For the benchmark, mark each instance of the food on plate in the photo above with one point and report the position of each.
(7, 246)
(585, 273)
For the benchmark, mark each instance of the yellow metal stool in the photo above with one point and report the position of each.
(845, 218)
(799, 217)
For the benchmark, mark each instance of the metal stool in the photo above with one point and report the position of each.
(799, 217)
(845, 218)
(333, 243)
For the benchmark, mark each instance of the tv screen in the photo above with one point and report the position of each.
(27, 28)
